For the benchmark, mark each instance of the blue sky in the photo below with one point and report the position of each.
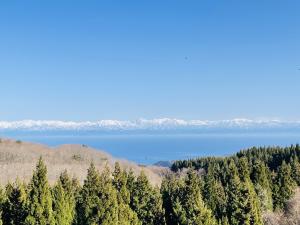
(89, 60)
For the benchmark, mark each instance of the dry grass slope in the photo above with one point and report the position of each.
(18, 159)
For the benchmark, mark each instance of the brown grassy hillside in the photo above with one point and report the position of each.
(18, 159)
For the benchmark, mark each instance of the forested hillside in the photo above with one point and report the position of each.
(251, 186)
(255, 186)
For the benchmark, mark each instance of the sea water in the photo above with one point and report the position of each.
(151, 148)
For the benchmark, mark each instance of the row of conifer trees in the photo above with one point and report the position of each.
(117, 198)
(240, 188)
(208, 191)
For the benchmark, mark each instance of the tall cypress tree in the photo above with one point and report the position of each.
(261, 179)
(183, 201)
(146, 202)
(64, 200)
(62, 211)
(242, 206)
(195, 210)
(233, 192)
(126, 216)
(109, 200)
(120, 183)
(295, 166)
(131, 179)
(39, 198)
(284, 186)
(89, 200)
(250, 204)
(214, 193)
(180, 216)
(171, 189)
(16, 204)
(98, 203)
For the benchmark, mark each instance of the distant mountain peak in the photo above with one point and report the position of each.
(145, 124)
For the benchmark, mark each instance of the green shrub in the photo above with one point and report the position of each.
(77, 157)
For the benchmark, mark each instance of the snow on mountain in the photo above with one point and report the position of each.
(144, 124)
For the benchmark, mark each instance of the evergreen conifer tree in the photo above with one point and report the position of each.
(233, 191)
(64, 200)
(214, 193)
(131, 179)
(183, 201)
(195, 210)
(120, 183)
(251, 209)
(126, 215)
(261, 179)
(109, 202)
(39, 198)
(295, 166)
(284, 186)
(243, 205)
(89, 200)
(171, 189)
(179, 213)
(146, 202)
(98, 203)
(16, 204)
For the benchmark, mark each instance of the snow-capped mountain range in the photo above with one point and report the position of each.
(144, 124)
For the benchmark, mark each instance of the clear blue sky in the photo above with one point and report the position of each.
(89, 60)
